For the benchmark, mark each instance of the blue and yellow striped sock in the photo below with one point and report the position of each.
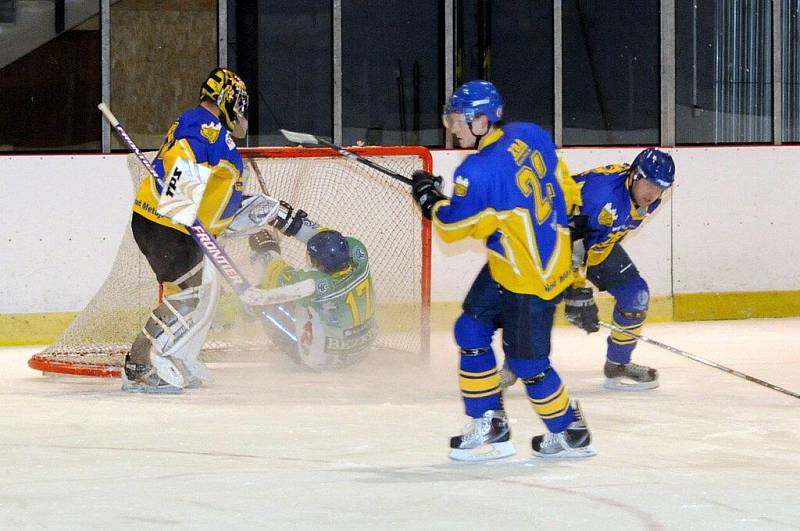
(480, 383)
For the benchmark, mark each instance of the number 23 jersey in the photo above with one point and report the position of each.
(517, 194)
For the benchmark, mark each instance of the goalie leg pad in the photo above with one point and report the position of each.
(186, 351)
(167, 349)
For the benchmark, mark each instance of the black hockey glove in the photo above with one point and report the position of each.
(581, 310)
(288, 220)
(263, 242)
(579, 227)
(426, 191)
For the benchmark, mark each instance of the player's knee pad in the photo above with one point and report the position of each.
(631, 315)
(527, 368)
(472, 334)
(537, 378)
(633, 296)
(474, 351)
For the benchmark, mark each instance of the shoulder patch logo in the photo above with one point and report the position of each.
(211, 131)
(323, 286)
(608, 215)
(461, 185)
(359, 255)
(229, 141)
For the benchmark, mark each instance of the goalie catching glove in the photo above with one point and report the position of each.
(581, 310)
(425, 190)
(255, 212)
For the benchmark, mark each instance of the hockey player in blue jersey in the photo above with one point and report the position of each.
(616, 200)
(517, 195)
(175, 331)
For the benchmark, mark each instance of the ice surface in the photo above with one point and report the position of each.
(267, 446)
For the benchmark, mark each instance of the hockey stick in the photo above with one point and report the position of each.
(704, 361)
(250, 295)
(265, 315)
(307, 139)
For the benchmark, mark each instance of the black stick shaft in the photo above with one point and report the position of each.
(362, 160)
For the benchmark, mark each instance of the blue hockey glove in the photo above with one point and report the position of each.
(581, 310)
(426, 191)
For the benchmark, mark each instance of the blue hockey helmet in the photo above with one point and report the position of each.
(329, 251)
(655, 166)
(474, 98)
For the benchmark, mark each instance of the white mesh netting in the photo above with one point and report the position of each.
(336, 192)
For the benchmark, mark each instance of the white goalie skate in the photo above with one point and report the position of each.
(164, 356)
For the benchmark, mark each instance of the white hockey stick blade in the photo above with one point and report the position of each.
(265, 297)
(300, 138)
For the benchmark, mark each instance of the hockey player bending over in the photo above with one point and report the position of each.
(616, 201)
(167, 348)
(516, 194)
(336, 325)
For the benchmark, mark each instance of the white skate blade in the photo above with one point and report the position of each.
(571, 453)
(136, 387)
(486, 452)
(619, 384)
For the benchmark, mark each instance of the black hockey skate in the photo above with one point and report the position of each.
(575, 441)
(485, 438)
(629, 377)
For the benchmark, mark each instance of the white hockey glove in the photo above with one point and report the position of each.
(256, 211)
(184, 186)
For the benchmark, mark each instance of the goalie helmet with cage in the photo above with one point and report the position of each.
(226, 89)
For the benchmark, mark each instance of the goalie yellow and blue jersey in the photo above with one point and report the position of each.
(606, 197)
(517, 194)
(199, 137)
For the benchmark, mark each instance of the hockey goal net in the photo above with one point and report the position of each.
(336, 192)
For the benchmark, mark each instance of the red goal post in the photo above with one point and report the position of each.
(335, 191)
